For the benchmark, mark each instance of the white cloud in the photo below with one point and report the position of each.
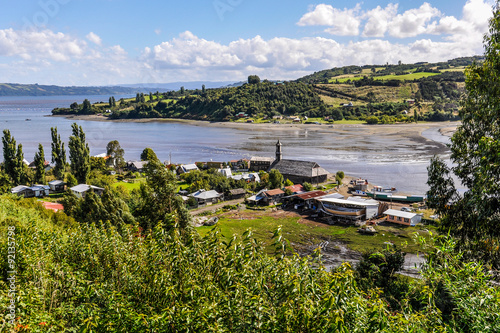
(341, 22)
(413, 22)
(378, 20)
(94, 38)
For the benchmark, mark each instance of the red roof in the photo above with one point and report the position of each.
(311, 195)
(271, 193)
(52, 205)
(295, 188)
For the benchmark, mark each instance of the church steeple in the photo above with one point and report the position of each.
(279, 154)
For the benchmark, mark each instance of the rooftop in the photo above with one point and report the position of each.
(298, 168)
(399, 213)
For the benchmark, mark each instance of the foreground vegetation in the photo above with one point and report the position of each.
(96, 277)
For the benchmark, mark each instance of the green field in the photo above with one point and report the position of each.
(263, 225)
(408, 77)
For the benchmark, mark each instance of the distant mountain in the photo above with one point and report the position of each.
(192, 85)
(16, 89)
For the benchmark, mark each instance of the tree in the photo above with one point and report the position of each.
(288, 182)
(203, 89)
(474, 217)
(115, 155)
(253, 79)
(275, 179)
(182, 91)
(158, 200)
(87, 107)
(79, 154)
(39, 165)
(58, 154)
(13, 158)
(148, 154)
(307, 186)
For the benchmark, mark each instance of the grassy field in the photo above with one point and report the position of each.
(301, 232)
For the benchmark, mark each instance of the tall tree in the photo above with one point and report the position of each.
(115, 154)
(275, 179)
(79, 154)
(13, 158)
(148, 154)
(58, 154)
(474, 218)
(159, 202)
(87, 107)
(39, 165)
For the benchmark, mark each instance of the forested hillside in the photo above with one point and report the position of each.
(15, 89)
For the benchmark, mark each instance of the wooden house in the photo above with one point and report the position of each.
(404, 218)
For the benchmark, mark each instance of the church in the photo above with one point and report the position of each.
(298, 172)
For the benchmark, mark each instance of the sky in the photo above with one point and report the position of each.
(112, 42)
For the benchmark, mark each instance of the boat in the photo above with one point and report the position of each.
(28, 119)
(344, 211)
(367, 229)
(384, 189)
(359, 193)
(399, 198)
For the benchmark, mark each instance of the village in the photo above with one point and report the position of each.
(305, 187)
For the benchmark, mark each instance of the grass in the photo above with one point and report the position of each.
(131, 186)
(263, 224)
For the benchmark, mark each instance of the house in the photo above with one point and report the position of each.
(32, 165)
(260, 163)
(296, 171)
(308, 198)
(226, 172)
(243, 164)
(257, 198)
(23, 190)
(207, 197)
(57, 186)
(404, 218)
(214, 165)
(40, 190)
(36, 191)
(135, 166)
(237, 193)
(273, 197)
(80, 190)
(248, 177)
(186, 168)
(295, 189)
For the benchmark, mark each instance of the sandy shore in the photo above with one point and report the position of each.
(446, 128)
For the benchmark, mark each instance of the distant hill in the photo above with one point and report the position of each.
(177, 85)
(16, 89)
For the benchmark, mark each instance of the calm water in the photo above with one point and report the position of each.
(387, 159)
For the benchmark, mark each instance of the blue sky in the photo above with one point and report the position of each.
(102, 42)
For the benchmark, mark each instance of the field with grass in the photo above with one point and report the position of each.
(302, 232)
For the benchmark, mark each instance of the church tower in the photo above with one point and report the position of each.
(279, 154)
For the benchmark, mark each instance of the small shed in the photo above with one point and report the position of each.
(185, 168)
(22, 190)
(404, 218)
(136, 165)
(40, 190)
(237, 193)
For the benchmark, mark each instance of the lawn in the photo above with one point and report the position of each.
(131, 186)
(302, 232)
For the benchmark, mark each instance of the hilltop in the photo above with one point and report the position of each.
(16, 89)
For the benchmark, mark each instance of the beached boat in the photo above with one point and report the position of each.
(399, 198)
(343, 211)
(367, 229)
(359, 193)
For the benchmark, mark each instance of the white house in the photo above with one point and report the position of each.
(404, 218)
(80, 190)
(204, 197)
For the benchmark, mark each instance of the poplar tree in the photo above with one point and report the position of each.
(39, 165)
(79, 154)
(13, 158)
(58, 154)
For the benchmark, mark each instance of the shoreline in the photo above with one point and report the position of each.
(446, 128)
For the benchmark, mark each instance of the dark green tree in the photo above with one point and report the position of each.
(474, 218)
(158, 200)
(203, 89)
(115, 155)
(253, 79)
(87, 107)
(150, 97)
(275, 179)
(182, 91)
(13, 158)
(58, 154)
(148, 154)
(79, 154)
(39, 165)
